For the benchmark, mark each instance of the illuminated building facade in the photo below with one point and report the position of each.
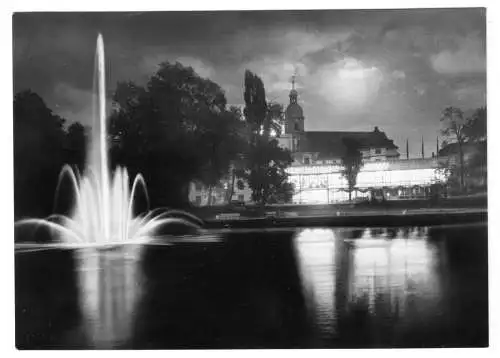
(316, 170)
(396, 179)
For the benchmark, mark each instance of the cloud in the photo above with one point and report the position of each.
(471, 96)
(397, 74)
(420, 89)
(277, 73)
(287, 42)
(469, 57)
(285, 51)
(348, 85)
(74, 104)
(200, 67)
(149, 63)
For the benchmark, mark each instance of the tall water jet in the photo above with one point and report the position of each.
(101, 130)
(105, 232)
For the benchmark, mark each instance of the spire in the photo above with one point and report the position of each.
(423, 156)
(407, 150)
(437, 146)
(293, 93)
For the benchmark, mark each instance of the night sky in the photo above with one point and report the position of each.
(356, 69)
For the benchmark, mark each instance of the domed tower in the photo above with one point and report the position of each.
(294, 116)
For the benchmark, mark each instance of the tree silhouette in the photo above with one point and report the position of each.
(475, 130)
(174, 130)
(76, 145)
(265, 161)
(351, 163)
(455, 131)
(39, 138)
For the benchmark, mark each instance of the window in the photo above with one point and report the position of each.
(241, 198)
(296, 126)
(198, 200)
(378, 151)
(307, 160)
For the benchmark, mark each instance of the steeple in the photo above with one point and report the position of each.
(293, 93)
(294, 116)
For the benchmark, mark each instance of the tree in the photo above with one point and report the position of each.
(455, 131)
(38, 154)
(351, 163)
(265, 161)
(267, 176)
(174, 130)
(76, 145)
(476, 136)
(475, 129)
(285, 194)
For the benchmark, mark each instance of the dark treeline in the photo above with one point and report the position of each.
(465, 137)
(175, 129)
(42, 145)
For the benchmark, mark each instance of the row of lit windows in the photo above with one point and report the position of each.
(369, 179)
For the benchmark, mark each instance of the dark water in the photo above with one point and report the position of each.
(308, 288)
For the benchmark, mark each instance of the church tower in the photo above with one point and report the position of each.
(294, 116)
(294, 122)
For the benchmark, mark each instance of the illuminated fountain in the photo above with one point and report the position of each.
(105, 231)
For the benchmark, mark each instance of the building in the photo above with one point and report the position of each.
(316, 169)
(200, 195)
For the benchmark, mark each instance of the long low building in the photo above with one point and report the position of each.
(395, 179)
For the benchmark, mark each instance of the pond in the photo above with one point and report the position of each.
(342, 287)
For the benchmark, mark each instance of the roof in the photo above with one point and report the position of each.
(330, 144)
(294, 110)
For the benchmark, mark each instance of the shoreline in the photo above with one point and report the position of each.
(390, 218)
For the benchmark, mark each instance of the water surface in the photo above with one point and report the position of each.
(290, 288)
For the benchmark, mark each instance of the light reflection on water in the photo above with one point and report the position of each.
(316, 261)
(338, 287)
(108, 284)
(380, 271)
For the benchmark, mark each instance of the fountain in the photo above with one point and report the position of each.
(104, 231)
(103, 212)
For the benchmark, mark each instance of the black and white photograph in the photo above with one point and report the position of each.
(250, 179)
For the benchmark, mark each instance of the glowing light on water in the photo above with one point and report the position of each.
(395, 269)
(316, 249)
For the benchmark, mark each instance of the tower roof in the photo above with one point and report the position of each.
(294, 110)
